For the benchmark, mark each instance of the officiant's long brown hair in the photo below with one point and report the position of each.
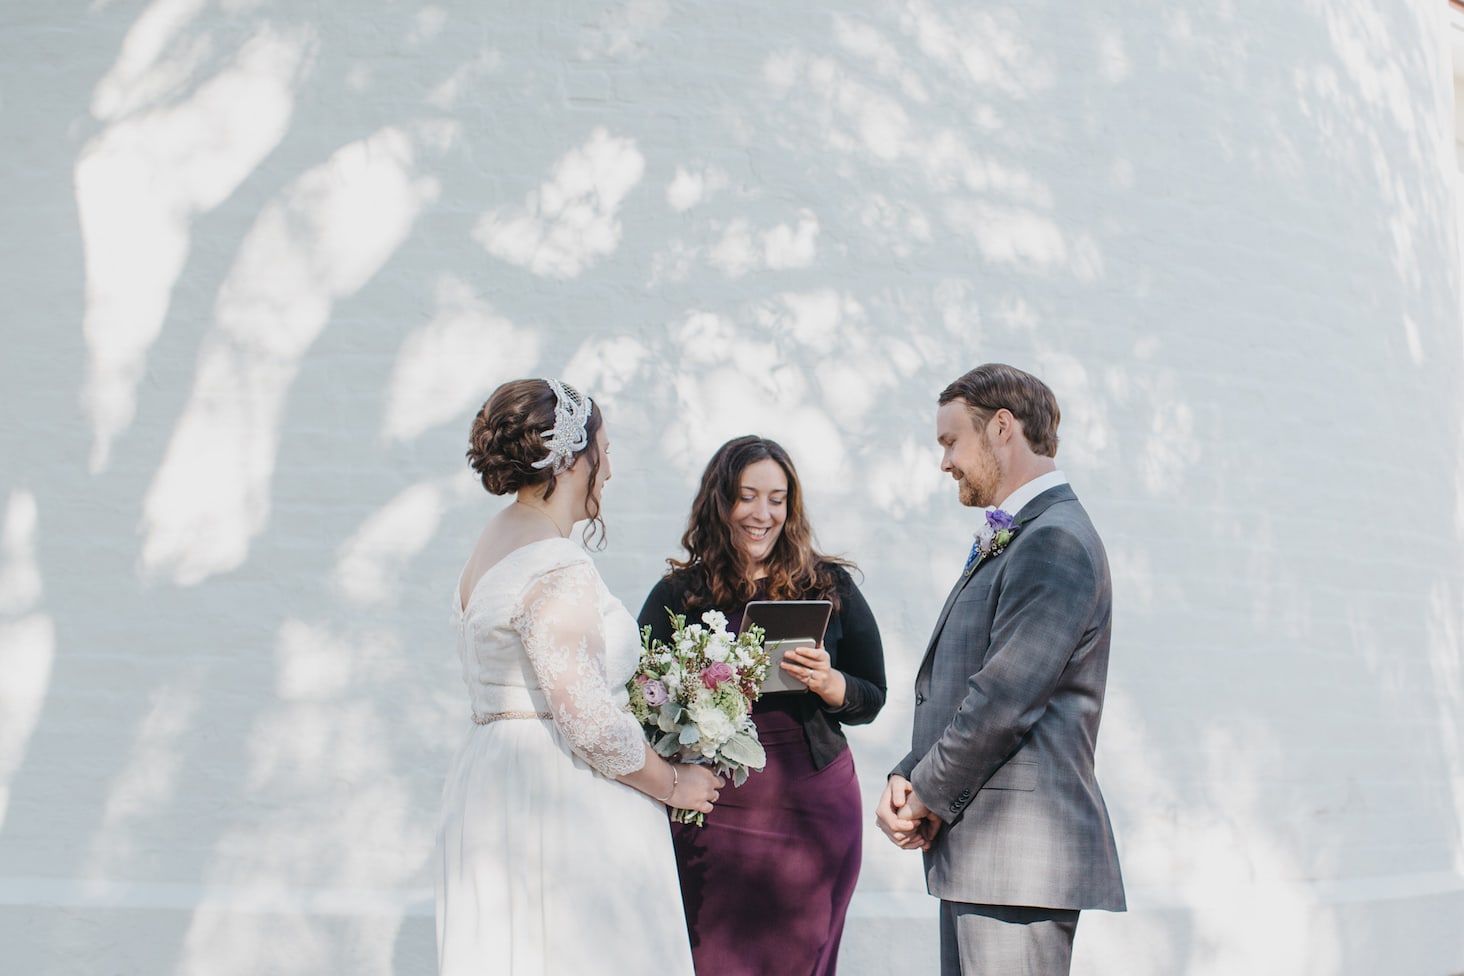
(719, 574)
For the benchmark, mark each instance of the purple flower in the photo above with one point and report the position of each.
(992, 537)
(716, 674)
(654, 692)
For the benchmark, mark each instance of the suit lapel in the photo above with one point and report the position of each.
(1028, 513)
(945, 611)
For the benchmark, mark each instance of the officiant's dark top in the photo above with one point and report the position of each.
(852, 641)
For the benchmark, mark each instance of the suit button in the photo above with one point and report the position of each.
(919, 699)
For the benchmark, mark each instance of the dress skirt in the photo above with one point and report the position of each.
(767, 882)
(546, 867)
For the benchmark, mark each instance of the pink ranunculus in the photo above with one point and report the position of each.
(655, 692)
(717, 673)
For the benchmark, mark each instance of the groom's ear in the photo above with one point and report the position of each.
(1003, 425)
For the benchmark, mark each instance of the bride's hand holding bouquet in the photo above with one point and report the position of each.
(693, 696)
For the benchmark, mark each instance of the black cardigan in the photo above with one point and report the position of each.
(852, 640)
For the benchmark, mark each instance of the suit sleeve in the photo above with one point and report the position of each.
(1049, 591)
(860, 656)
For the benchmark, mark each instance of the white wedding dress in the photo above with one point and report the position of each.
(545, 864)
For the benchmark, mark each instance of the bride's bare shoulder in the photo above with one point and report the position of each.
(502, 538)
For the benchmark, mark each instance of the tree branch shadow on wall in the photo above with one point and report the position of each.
(808, 241)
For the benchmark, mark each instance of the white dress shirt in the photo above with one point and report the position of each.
(1013, 503)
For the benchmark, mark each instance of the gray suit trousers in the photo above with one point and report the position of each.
(1005, 940)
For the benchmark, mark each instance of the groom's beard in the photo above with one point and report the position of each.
(977, 487)
(971, 494)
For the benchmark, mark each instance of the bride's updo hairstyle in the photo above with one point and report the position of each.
(508, 437)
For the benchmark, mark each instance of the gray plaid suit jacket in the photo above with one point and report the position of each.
(1007, 704)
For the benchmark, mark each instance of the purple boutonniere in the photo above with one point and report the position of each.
(993, 536)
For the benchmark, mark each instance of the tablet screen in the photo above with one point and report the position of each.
(788, 619)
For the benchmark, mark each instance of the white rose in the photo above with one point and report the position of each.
(713, 723)
(718, 649)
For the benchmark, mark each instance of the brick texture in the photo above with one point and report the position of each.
(261, 263)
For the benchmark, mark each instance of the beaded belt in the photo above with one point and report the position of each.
(500, 716)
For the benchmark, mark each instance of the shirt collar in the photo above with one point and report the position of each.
(1014, 502)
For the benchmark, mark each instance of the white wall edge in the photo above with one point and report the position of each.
(275, 899)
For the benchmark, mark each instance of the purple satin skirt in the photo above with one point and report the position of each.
(767, 881)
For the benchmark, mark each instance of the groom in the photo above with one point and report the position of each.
(998, 789)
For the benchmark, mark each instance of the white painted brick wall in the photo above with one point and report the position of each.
(262, 261)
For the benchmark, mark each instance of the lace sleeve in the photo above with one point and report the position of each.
(559, 620)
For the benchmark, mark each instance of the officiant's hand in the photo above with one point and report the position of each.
(904, 818)
(813, 667)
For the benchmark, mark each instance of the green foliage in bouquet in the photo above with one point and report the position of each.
(693, 696)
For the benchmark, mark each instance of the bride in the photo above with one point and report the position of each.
(553, 853)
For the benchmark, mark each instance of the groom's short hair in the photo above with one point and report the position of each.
(994, 386)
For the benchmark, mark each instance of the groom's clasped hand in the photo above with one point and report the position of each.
(903, 818)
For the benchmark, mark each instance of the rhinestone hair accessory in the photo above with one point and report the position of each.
(571, 413)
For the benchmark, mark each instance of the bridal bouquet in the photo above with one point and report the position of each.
(693, 697)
